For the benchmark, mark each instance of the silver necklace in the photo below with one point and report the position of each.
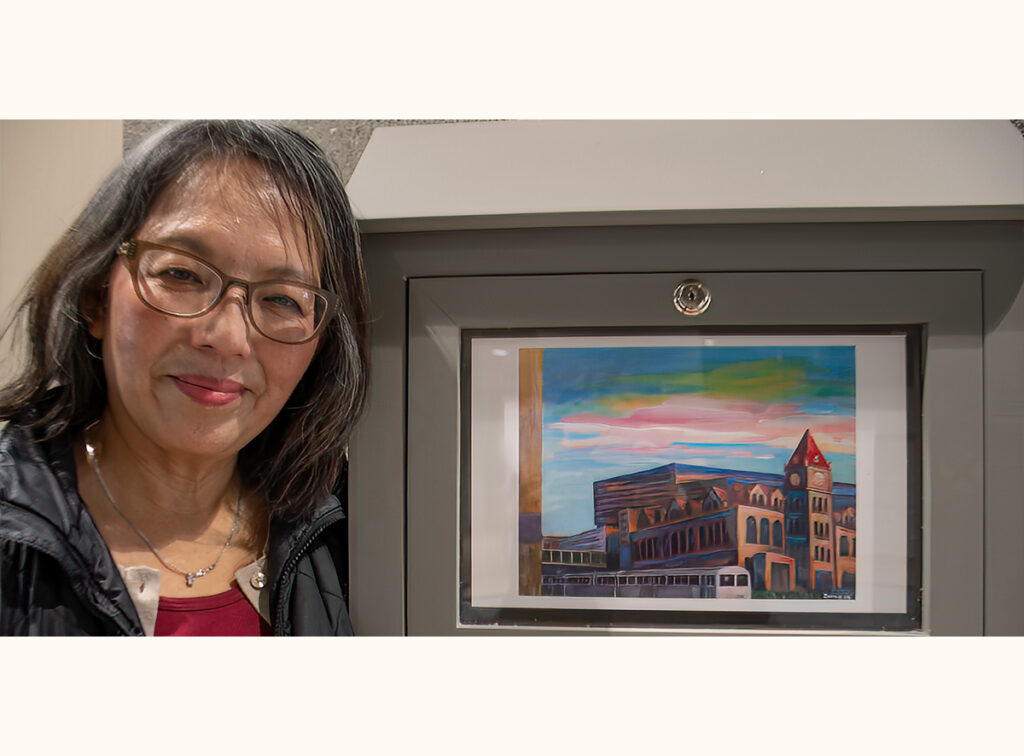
(190, 577)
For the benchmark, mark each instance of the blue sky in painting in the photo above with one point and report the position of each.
(611, 411)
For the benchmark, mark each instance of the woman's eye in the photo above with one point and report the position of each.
(182, 275)
(280, 300)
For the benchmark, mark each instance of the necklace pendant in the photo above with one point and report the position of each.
(190, 578)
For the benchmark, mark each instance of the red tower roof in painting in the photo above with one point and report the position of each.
(808, 453)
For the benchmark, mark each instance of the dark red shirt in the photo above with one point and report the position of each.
(228, 613)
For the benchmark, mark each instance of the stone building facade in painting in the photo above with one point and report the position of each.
(791, 531)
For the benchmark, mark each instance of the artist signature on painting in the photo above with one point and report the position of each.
(846, 596)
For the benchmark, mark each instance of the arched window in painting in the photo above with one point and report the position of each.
(703, 536)
(844, 546)
(751, 530)
(764, 530)
(777, 533)
(693, 539)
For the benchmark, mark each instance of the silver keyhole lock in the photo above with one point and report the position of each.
(691, 297)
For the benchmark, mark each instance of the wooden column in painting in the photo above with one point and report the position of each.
(530, 429)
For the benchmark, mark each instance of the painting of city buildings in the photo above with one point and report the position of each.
(688, 472)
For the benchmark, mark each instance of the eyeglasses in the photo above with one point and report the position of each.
(177, 283)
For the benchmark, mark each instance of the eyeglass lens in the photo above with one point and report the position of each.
(180, 285)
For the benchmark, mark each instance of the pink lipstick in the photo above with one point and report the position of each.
(213, 392)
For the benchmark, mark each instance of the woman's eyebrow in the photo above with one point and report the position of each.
(285, 271)
(184, 241)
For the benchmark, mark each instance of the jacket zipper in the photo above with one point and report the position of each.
(293, 560)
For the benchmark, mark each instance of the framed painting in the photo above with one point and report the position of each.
(711, 478)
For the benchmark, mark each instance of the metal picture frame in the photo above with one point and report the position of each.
(730, 544)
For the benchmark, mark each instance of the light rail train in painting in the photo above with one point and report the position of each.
(679, 582)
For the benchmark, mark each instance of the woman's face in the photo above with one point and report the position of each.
(206, 386)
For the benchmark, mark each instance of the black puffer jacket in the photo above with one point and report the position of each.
(57, 576)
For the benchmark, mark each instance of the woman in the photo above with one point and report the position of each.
(196, 360)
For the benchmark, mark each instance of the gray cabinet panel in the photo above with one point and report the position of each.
(397, 262)
(953, 428)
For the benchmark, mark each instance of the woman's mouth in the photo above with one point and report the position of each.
(212, 392)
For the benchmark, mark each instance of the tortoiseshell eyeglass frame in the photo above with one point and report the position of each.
(132, 250)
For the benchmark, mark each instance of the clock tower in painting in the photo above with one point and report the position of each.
(809, 524)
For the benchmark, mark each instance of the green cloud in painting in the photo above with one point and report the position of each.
(769, 380)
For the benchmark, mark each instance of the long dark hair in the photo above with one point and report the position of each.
(61, 387)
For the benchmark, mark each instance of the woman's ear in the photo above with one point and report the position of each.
(96, 327)
(93, 306)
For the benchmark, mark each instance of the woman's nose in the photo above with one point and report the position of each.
(226, 327)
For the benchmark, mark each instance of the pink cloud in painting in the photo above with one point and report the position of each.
(702, 420)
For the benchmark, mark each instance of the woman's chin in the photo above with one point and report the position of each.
(204, 440)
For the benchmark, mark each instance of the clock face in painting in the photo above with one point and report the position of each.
(818, 479)
(794, 479)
